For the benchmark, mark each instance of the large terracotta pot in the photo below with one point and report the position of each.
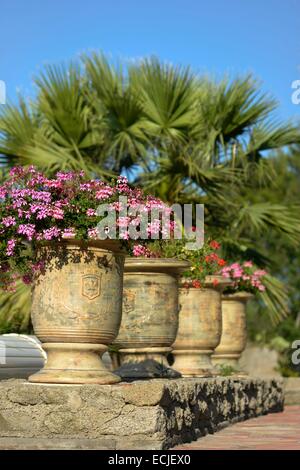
(234, 332)
(200, 327)
(150, 317)
(76, 310)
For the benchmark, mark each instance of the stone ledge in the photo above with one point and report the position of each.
(292, 391)
(154, 414)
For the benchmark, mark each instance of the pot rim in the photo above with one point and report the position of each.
(108, 244)
(242, 295)
(210, 282)
(222, 281)
(171, 265)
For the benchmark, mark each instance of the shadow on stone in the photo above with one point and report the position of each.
(147, 369)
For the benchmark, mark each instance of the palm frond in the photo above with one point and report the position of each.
(275, 298)
(259, 217)
(15, 309)
(271, 136)
(168, 96)
(18, 126)
(122, 114)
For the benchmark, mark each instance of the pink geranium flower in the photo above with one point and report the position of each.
(35, 209)
(245, 277)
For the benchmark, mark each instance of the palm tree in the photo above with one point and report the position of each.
(169, 97)
(182, 137)
(119, 113)
(56, 131)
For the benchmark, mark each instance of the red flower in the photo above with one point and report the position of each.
(211, 258)
(215, 245)
(196, 283)
(215, 282)
(221, 262)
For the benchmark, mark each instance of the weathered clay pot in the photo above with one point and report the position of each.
(76, 310)
(200, 327)
(150, 317)
(234, 331)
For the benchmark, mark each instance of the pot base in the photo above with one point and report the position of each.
(194, 363)
(74, 363)
(145, 363)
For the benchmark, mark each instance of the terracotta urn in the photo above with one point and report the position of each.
(200, 327)
(76, 310)
(150, 317)
(234, 332)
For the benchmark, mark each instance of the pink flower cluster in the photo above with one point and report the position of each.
(35, 208)
(10, 247)
(245, 276)
(143, 251)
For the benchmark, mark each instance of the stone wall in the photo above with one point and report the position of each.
(154, 414)
(292, 390)
(260, 361)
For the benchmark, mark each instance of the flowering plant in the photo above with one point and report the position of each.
(204, 262)
(35, 209)
(159, 249)
(245, 277)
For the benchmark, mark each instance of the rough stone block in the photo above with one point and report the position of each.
(154, 414)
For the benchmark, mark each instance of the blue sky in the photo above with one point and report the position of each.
(216, 36)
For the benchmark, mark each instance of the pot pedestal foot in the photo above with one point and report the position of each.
(230, 361)
(194, 363)
(145, 363)
(74, 363)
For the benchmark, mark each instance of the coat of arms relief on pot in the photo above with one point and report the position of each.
(79, 301)
(91, 286)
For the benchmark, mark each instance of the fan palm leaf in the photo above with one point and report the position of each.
(168, 97)
(126, 141)
(15, 309)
